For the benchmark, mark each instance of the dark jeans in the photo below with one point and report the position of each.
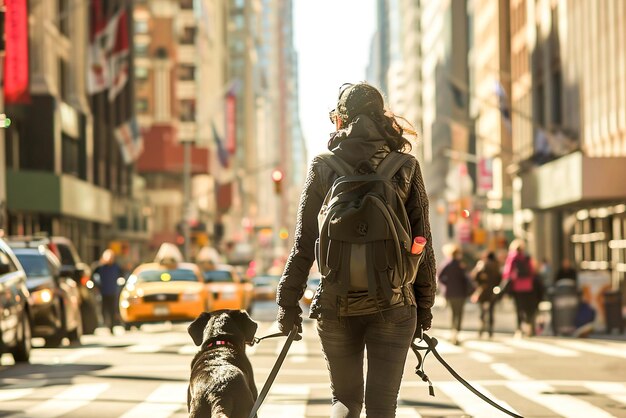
(526, 308)
(387, 336)
(457, 305)
(109, 310)
(486, 317)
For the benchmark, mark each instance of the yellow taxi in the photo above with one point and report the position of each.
(164, 291)
(228, 289)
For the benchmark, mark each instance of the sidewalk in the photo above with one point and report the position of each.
(505, 320)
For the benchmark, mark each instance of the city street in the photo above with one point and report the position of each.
(144, 373)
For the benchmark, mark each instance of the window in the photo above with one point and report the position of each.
(188, 35)
(141, 105)
(64, 16)
(63, 84)
(141, 73)
(69, 155)
(186, 72)
(35, 265)
(141, 50)
(6, 264)
(141, 26)
(187, 110)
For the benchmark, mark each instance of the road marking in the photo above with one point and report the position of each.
(48, 357)
(615, 391)
(542, 348)
(278, 404)
(188, 349)
(297, 353)
(488, 346)
(593, 348)
(144, 348)
(161, 403)
(407, 412)
(508, 372)
(444, 347)
(480, 357)
(67, 401)
(12, 394)
(565, 405)
(470, 403)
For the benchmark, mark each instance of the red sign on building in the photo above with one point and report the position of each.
(16, 88)
(231, 127)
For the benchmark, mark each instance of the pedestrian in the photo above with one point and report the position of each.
(456, 287)
(566, 271)
(487, 277)
(354, 310)
(520, 273)
(106, 275)
(545, 273)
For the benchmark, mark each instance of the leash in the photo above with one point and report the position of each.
(274, 372)
(431, 343)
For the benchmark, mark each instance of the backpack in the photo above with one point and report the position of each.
(364, 232)
(523, 277)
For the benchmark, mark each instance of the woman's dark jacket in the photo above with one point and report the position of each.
(487, 276)
(359, 145)
(455, 280)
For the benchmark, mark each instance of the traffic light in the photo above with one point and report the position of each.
(277, 178)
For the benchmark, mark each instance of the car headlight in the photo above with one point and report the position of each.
(308, 294)
(42, 296)
(188, 297)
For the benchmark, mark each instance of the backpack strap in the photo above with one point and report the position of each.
(390, 165)
(337, 164)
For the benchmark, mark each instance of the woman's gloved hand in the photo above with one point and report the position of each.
(424, 321)
(286, 319)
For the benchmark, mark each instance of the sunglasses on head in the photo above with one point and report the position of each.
(332, 115)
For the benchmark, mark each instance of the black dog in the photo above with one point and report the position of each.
(221, 382)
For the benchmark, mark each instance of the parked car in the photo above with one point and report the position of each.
(54, 298)
(228, 288)
(165, 290)
(265, 287)
(15, 314)
(312, 284)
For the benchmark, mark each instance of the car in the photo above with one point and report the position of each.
(228, 288)
(72, 266)
(164, 290)
(15, 318)
(54, 298)
(265, 287)
(312, 284)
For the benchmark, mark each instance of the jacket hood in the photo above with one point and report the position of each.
(358, 142)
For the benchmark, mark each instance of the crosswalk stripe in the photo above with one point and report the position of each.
(161, 403)
(188, 349)
(67, 401)
(278, 405)
(470, 403)
(564, 405)
(592, 348)
(480, 357)
(444, 347)
(542, 348)
(12, 394)
(614, 390)
(144, 348)
(508, 372)
(488, 346)
(406, 412)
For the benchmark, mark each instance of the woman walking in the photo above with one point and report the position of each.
(519, 271)
(360, 313)
(486, 276)
(456, 288)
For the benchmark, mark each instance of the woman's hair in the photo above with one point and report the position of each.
(365, 99)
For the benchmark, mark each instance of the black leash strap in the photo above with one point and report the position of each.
(275, 369)
(419, 370)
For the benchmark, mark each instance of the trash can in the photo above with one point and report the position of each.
(613, 311)
(564, 307)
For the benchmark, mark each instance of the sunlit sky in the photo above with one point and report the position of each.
(332, 38)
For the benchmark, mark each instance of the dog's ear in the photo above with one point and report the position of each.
(196, 328)
(247, 326)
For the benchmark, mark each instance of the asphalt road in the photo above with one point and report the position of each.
(144, 373)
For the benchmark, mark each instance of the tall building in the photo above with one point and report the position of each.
(568, 93)
(62, 139)
(489, 80)
(166, 69)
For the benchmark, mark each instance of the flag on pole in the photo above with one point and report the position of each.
(130, 140)
(503, 105)
(101, 41)
(222, 154)
(119, 56)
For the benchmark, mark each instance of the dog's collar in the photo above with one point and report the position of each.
(218, 343)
